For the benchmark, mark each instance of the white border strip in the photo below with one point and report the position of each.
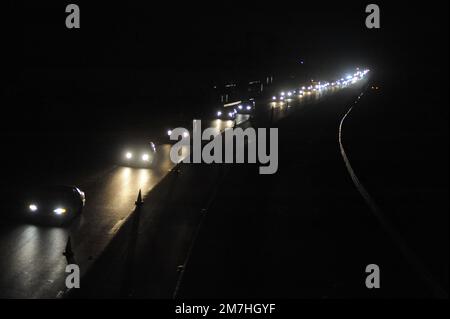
(385, 224)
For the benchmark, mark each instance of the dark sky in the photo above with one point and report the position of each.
(199, 37)
(127, 53)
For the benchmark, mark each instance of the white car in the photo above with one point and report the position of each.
(139, 155)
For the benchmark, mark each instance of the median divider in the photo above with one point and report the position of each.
(156, 238)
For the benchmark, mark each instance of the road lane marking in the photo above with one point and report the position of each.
(407, 253)
(116, 227)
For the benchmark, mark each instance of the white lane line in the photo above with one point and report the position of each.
(116, 227)
(386, 225)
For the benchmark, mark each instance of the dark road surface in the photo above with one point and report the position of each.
(306, 232)
(308, 241)
(32, 263)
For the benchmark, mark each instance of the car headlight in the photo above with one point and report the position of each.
(219, 113)
(128, 155)
(249, 107)
(60, 211)
(145, 157)
(33, 207)
(230, 114)
(274, 98)
(240, 107)
(169, 132)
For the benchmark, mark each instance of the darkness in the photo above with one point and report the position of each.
(138, 58)
(150, 53)
(133, 71)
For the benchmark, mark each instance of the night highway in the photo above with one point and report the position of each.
(233, 160)
(36, 250)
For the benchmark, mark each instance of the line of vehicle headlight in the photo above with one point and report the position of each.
(248, 107)
(145, 157)
(57, 211)
(60, 211)
(234, 112)
(342, 82)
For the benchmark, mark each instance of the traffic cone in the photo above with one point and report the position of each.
(68, 253)
(139, 201)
